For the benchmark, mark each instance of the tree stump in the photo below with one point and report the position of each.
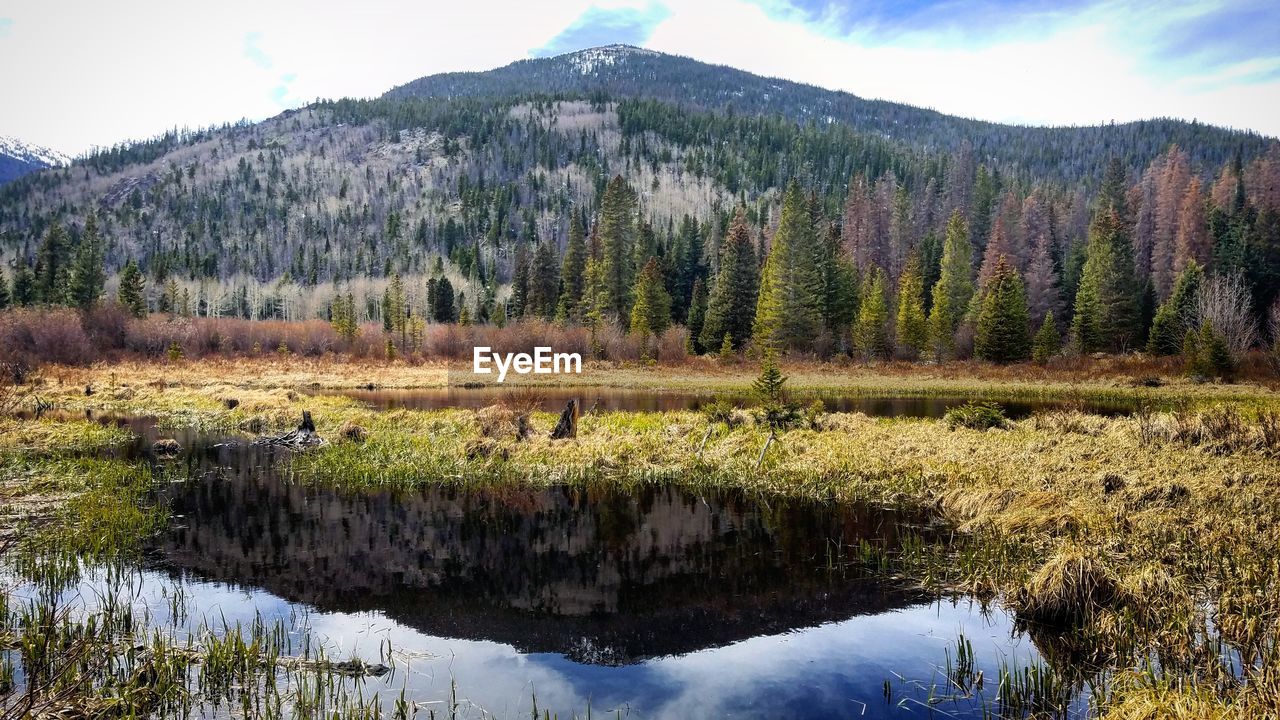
(567, 426)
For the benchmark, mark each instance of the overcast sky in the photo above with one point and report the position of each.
(80, 74)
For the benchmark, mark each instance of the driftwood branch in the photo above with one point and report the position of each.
(764, 449)
(705, 437)
(304, 436)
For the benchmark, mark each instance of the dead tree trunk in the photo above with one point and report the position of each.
(567, 426)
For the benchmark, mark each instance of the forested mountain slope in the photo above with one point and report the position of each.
(621, 71)
(547, 187)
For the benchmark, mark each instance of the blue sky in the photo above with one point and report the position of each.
(107, 72)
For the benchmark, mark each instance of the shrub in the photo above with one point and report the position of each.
(673, 345)
(1206, 354)
(30, 337)
(66, 336)
(719, 411)
(976, 416)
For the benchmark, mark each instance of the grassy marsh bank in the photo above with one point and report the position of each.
(1121, 379)
(1142, 547)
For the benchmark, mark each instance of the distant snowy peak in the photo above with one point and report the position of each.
(32, 154)
(590, 60)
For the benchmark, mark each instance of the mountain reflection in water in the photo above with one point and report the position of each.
(599, 575)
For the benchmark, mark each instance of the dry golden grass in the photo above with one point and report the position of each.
(1121, 379)
(1139, 530)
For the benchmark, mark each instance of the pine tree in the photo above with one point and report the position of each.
(930, 254)
(651, 312)
(617, 240)
(839, 285)
(1191, 238)
(687, 265)
(1086, 320)
(912, 327)
(5, 298)
(132, 289)
(517, 306)
(24, 286)
(732, 301)
(726, 348)
(342, 315)
(1173, 176)
(442, 305)
(954, 289)
(88, 277)
(986, 188)
(1112, 196)
(544, 281)
(1106, 312)
(1046, 342)
(573, 273)
(169, 300)
(998, 248)
(1043, 296)
(1174, 315)
(770, 385)
(1002, 328)
(789, 308)
(395, 309)
(697, 316)
(52, 267)
(870, 330)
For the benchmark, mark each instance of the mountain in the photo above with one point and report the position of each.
(464, 174)
(18, 158)
(623, 71)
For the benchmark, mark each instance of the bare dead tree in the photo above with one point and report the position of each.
(1226, 304)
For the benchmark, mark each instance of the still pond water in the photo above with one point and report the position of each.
(618, 399)
(656, 604)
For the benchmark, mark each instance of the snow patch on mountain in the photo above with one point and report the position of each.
(32, 154)
(589, 60)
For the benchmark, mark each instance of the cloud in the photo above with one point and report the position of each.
(1172, 37)
(281, 92)
(147, 66)
(1040, 66)
(253, 51)
(144, 70)
(1214, 36)
(945, 23)
(606, 26)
